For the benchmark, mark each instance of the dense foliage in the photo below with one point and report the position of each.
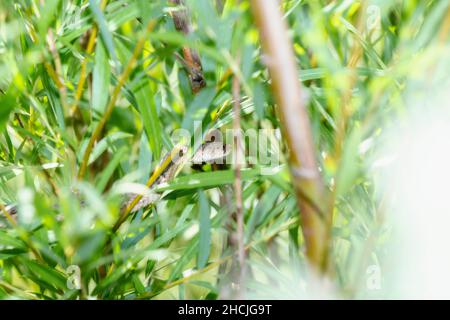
(355, 59)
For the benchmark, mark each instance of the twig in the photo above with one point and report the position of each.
(83, 74)
(355, 56)
(238, 182)
(296, 127)
(112, 102)
(443, 32)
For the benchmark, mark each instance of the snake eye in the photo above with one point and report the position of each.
(214, 135)
(181, 153)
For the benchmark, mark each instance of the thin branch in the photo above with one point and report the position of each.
(445, 27)
(112, 102)
(238, 182)
(92, 36)
(356, 53)
(296, 127)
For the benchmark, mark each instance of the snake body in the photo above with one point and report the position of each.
(210, 152)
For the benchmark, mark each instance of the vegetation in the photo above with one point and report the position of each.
(91, 93)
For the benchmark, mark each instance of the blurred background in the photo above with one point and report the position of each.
(91, 93)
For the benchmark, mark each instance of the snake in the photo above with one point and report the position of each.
(208, 152)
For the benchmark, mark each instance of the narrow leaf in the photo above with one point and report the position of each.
(204, 247)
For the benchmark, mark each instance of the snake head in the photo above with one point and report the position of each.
(211, 152)
(180, 155)
(197, 80)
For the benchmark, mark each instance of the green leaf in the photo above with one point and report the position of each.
(52, 94)
(152, 125)
(188, 255)
(348, 171)
(7, 104)
(208, 179)
(101, 79)
(259, 99)
(89, 247)
(262, 209)
(48, 275)
(247, 61)
(204, 240)
(104, 31)
(145, 159)
(107, 173)
(50, 8)
(198, 107)
(8, 242)
(138, 284)
(107, 141)
(150, 10)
